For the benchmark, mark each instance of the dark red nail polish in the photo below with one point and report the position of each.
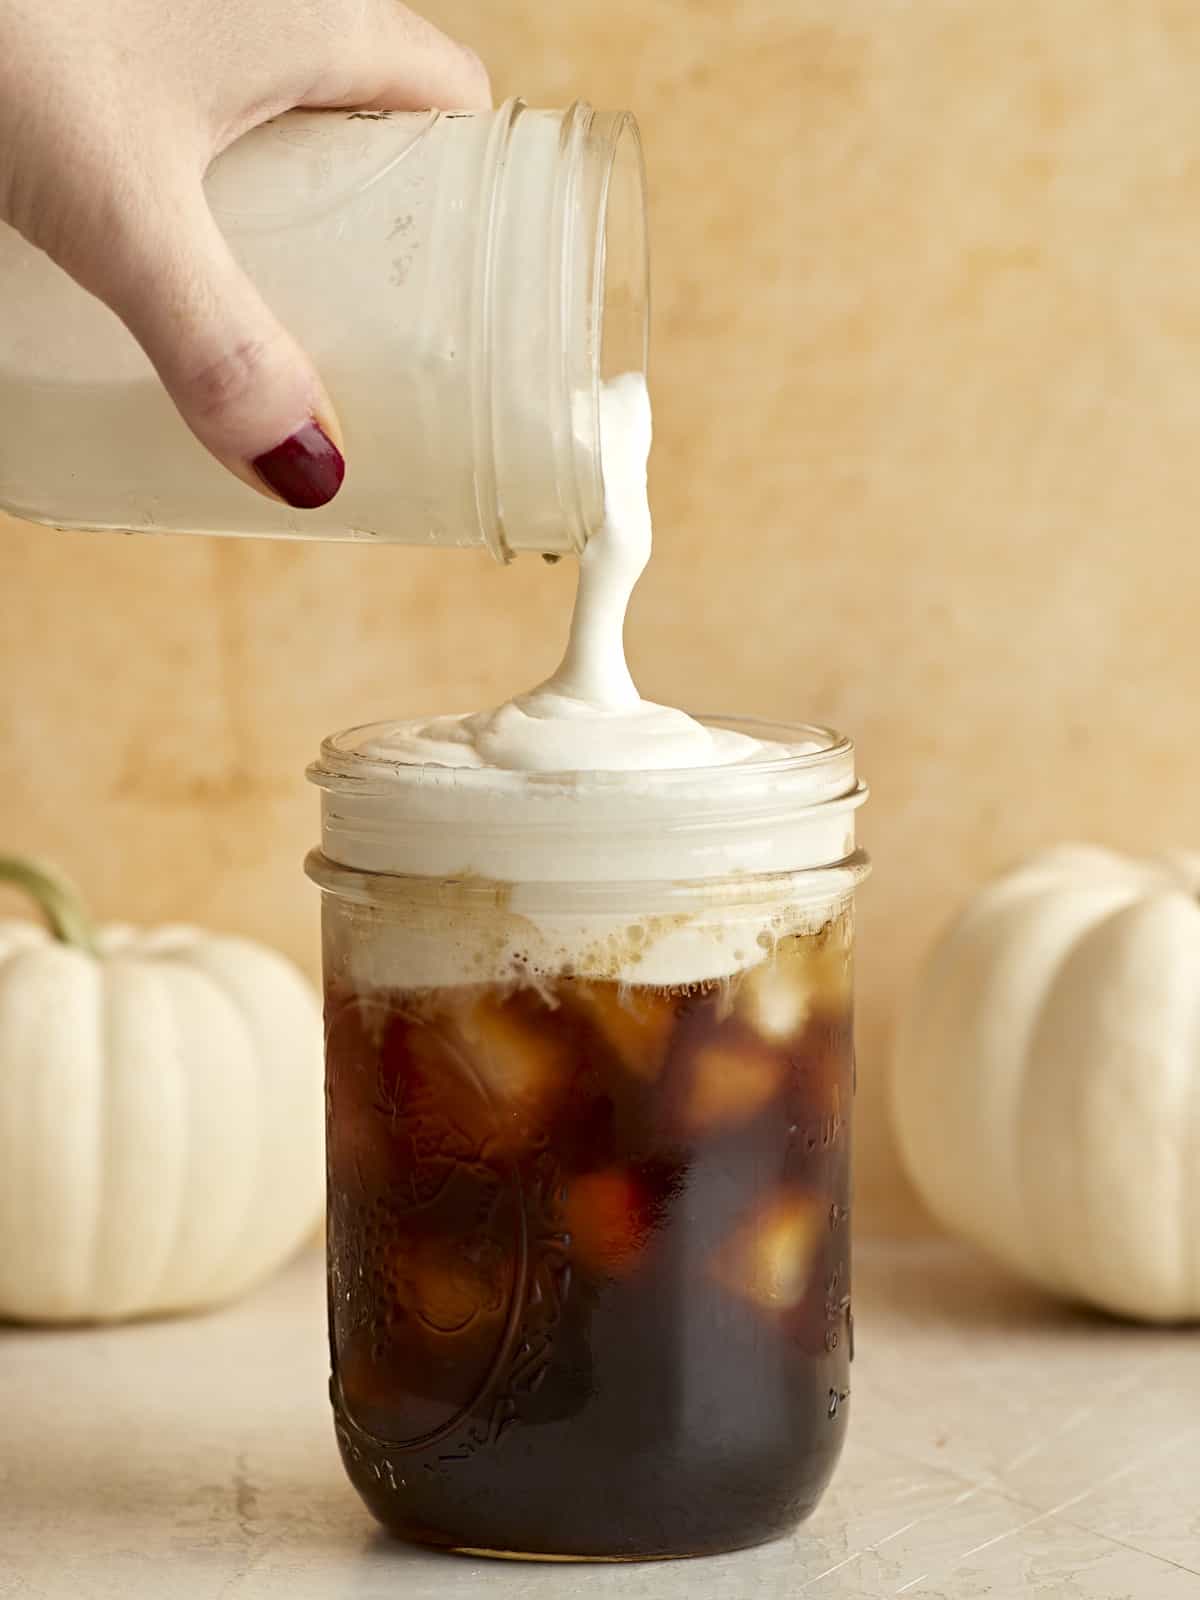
(306, 470)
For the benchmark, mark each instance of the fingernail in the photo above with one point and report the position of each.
(306, 470)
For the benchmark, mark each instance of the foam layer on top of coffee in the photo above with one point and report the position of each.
(589, 716)
(423, 946)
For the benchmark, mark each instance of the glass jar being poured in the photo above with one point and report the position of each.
(465, 283)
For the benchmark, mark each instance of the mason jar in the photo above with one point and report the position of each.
(464, 281)
(589, 1075)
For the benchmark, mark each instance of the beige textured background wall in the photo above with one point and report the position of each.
(927, 378)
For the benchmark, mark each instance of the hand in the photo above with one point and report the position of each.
(110, 113)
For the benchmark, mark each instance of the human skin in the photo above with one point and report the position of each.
(110, 113)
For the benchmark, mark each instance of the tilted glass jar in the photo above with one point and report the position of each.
(464, 281)
(589, 1072)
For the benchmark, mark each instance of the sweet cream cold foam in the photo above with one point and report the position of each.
(582, 782)
(588, 717)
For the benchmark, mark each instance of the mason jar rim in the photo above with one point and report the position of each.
(788, 813)
(341, 762)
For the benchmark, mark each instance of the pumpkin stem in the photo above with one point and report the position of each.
(57, 898)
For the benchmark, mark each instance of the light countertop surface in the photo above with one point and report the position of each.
(999, 1446)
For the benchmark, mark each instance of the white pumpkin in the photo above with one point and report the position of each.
(161, 1108)
(1046, 1086)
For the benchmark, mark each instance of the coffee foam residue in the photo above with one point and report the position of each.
(420, 946)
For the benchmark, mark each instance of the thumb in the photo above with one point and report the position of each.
(241, 382)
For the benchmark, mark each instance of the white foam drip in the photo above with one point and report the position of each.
(588, 716)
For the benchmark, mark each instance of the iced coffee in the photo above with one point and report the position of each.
(590, 1066)
(589, 1255)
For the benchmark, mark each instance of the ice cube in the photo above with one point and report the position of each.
(610, 1216)
(803, 975)
(634, 1022)
(775, 998)
(769, 1259)
(448, 1282)
(520, 1056)
(731, 1081)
